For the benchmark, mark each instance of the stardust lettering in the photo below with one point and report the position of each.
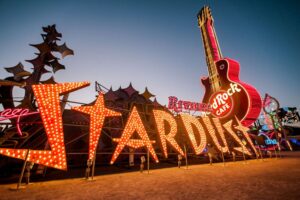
(195, 129)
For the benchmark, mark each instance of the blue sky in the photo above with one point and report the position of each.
(158, 43)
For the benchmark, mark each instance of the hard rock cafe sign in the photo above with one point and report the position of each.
(227, 95)
(221, 102)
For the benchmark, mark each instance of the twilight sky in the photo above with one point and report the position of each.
(158, 43)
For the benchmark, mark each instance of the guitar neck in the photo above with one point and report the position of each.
(211, 45)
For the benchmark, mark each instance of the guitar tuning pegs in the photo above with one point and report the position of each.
(204, 15)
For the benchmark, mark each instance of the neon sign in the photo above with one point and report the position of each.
(179, 106)
(160, 118)
(134, 124)
(188, 121)
(268, 138)
(221, 101)
(16, 113)
(97, 114)
(47, 97)
(270, 141)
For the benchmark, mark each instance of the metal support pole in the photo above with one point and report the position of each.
(289, 145)
(276, 134)
(131, 157)
(23, 169)
(94, 163)
(261, 155)
(279, 150)
(148, 161)
(244, 155)
(223, 157)
(186, 159)
(275, 152)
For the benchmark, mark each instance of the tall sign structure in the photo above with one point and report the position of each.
(227, 95)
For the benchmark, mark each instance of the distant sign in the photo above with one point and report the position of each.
(15, 113)
(180, 105)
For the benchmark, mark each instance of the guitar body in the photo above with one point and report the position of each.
(234, 98)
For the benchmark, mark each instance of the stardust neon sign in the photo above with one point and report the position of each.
(47, 97)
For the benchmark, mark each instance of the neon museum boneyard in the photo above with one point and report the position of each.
(41, 130)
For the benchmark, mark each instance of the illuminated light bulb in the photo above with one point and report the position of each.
(242, 147)
(133, 124)
(47, 97)
(160, 117)
(188, 120)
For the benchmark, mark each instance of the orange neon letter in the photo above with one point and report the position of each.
(244, 130)
(160, 117)
(188, 121)
(134, 124)
(213, 135)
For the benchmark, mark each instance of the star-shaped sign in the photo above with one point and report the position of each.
(97, 113)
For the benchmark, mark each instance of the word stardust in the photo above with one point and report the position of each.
(199, 131)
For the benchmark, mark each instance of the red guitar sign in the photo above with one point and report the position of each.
(227, 95)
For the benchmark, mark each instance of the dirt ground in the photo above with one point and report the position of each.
(256, 179)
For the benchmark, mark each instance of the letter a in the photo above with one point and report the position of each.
(134, 124)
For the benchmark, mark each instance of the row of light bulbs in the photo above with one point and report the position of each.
(47, 96)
